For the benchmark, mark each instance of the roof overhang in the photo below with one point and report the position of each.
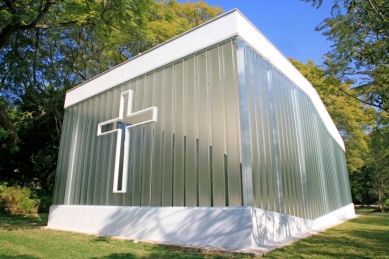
(228, 25)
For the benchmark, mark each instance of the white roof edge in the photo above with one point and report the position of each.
(153, 48)
(218, 29)
(185, 38)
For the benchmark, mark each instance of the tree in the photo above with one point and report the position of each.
(39, 64)
(181, 18)
(350, 117)
(379, 164)
(50, 45)
(362, 189)
(25, 24)
(360, 32)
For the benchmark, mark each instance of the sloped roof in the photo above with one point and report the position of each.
(230, 24)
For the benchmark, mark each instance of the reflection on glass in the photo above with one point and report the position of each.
(232, 130)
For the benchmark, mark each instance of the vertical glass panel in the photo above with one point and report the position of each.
(280, 124)
(274, 94)
(77, 163)
(252, 116)
(337, 179)
(203, 141)
(148, 143)
(317, 156)
(141, 139)
(156, 186)
(293, 138)
(101, 150)
(297, 146)
(109, 142)
(258, 155)
(90, 137)
(96, 167)
(110, 173)
(179, 110)
(232, 132)
(82, 174)
(273, 141)
(71, 168)
(264, 147)
(136, 145)
(286, 156)
(218, 171)
(312, 171)
(64, 151)
(245, 126)
(168, 138)
(190, 141)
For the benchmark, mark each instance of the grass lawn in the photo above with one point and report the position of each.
(20, 237)
(364, 237)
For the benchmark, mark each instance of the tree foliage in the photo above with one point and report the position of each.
(359, 30)
(48, 47)
(27, 26)
(379, 163)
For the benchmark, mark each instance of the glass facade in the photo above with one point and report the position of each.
(232, 131)
(292, 163)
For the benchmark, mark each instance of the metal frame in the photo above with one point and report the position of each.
(125, 115)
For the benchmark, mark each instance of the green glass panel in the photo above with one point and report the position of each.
(179, 106)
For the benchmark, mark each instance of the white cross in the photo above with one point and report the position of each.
(126, 116)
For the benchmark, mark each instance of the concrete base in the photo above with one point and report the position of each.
(236, 227)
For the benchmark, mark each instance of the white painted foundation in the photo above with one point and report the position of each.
(235, 227)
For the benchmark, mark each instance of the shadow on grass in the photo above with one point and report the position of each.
(19, 222)
(18, 256)
(147, 251)
(101, 239)
(164, 255)
(379, 236)
(117, 255)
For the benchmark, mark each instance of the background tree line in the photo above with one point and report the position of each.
(354, 85)
(48, 46)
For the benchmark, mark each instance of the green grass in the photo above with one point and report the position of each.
(20, 237)
(364, 237)
(361, 210)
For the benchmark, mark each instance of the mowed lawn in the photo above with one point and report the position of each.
(20, 237)
(364, 237)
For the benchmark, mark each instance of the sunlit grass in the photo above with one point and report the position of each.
(364, 237)
(20, 237)
(364, 210)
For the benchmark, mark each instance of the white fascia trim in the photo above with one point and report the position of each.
(251, 35)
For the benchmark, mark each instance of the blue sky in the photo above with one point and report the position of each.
(288, 24)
